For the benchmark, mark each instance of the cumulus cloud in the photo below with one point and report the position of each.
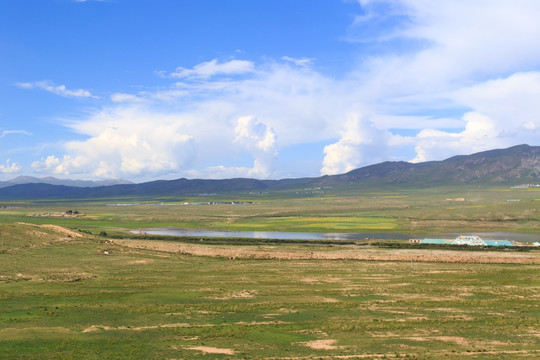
(289, 106)
(458, 60)
(123, 143)
(446, 77)
(10, 167)
(259, 139)
(208, 69)
(511, 101)
(504, 112)
(360, 142)
(480, 134)
(254, 135)
(60, 90)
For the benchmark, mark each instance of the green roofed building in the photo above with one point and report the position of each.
(498, 243)
(436, 241)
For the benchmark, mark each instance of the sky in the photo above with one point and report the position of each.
(269, 89)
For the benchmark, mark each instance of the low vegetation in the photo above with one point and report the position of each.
(391, 209)
(66, 296)
(81, 286)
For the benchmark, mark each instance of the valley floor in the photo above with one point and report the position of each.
(70, 296)
(346, 252)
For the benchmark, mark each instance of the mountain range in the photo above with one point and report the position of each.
(67, 182)
(513, 166)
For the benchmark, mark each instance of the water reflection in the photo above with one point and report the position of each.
(284, 235)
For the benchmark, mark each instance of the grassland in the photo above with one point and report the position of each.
(460, 209)
(70, 297)
(74, 295)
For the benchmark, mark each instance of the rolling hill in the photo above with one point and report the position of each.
(66, 182)
(516, 165)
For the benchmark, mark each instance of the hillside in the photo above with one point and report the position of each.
(512, 166)
(66, 182)
(516, 165)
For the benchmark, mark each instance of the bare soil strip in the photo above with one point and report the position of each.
(327, 344)
(55, 228)
(100, 328)
(212, 350)
(347, 253)
(439, 354)
(62, 230)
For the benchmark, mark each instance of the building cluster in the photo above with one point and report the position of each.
(471, 240)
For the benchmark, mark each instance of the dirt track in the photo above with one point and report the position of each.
(345, 253)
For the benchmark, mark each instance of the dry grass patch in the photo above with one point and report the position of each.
(327, 344)
(244, 294)
(296, 253)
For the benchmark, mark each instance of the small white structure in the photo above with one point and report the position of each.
(469, 240)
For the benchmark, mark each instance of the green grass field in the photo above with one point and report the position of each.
(459, 209)
(67, 297)
(70, 297)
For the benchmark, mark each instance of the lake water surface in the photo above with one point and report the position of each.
(284, 235)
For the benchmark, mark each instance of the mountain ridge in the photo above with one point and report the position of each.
(515, 165)
(66, 182)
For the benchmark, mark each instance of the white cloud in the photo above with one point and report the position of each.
(10, 167)
(449, 44)
(360, 142)
(123, 143)
(462, 56)
(511, 101)
(127, 98)
(289, 105)
(505, 113)
(259, 139)
(60, 90)
(455, 76)
(480, 134)
(208, 69)
(254, 135)
(5, 133)
(303, 62)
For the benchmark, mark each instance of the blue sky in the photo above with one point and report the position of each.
(143, 90)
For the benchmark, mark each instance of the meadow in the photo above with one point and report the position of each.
(458, 209)
(72, 294)
(70, 297)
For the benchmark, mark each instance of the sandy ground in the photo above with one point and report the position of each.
(62, 230)
(327, 344)
(212, 350)
(55, 228)
(345, 253)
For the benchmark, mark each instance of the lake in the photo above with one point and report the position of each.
(284, 235)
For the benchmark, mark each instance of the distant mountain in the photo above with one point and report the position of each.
(66, 182)
(512, 166)
(518, 164)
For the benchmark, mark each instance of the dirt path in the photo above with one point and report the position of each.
(56, 228)
(61, 230)
(347, 253)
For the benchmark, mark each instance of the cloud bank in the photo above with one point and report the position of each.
(444, 78)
